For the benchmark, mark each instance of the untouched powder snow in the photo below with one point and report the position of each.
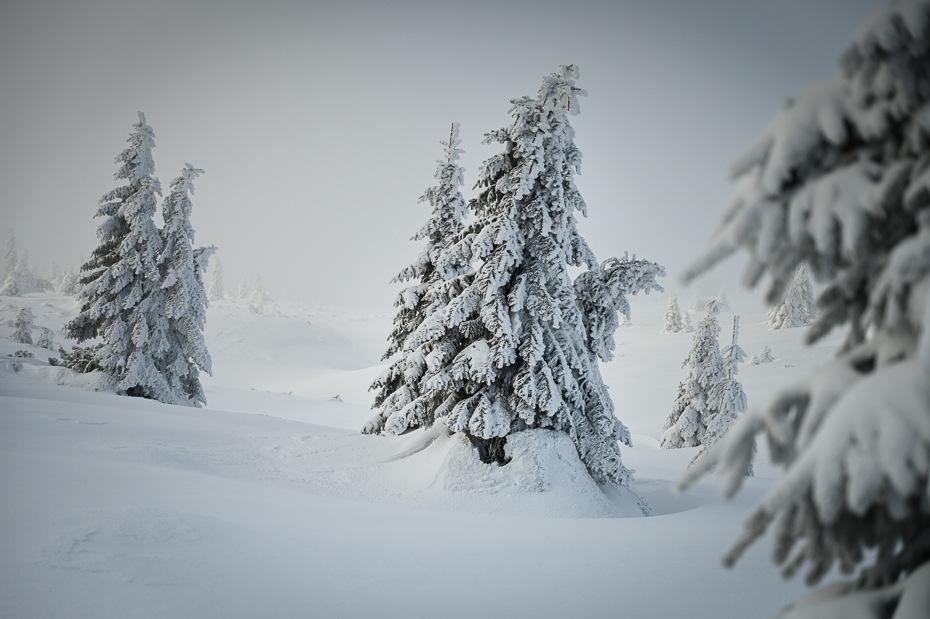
(268, 502)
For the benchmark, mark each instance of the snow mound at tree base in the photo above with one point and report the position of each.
(544, 478)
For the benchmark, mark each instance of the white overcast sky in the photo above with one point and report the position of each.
(318, 123)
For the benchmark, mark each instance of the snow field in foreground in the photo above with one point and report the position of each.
(268, 504)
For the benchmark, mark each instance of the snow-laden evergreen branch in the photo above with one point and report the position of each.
(840, 181)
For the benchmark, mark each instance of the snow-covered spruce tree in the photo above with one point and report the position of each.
(673, 320)
(530, 338)
(686, 326)
(121, 296)
(693, 408)
(54, 276)
(726, 397)
(23, 327)
(69, 283)
(46, 339)
(18, 279)
(216, 282)
(403, 404)
(242, 291)
(257, 300)
(185, 298)
(798, 308)
(10, 256)
(840, 180)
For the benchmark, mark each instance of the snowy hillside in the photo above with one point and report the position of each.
(268, 502)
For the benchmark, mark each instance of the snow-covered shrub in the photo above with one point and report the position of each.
(840, 181)
(763, 357)
(22, 354)
(693, 408)
(23, 327)
(81, 359)
(798, 308)
(404, 405)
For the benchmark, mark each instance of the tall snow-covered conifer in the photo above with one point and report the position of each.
(121, 296)
(438, 269)
(694, 409)
(185, 299)
(526, 337)
(840, 180)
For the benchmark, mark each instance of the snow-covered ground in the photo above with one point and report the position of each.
(269, 503)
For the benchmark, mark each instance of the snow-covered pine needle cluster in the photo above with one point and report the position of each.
(513, 344)
(840, 181)
(142, 291)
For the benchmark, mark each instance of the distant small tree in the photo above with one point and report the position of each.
(46, 339)
(686, 325)
(693, 408)
(23, 327)
(257, 304)
(216, 281)
(798, 308)
(10, 257)
(673, 320)
(54, 275)
(242, 290)
(69, 283)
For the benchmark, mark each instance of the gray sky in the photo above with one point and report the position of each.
(318, 123)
